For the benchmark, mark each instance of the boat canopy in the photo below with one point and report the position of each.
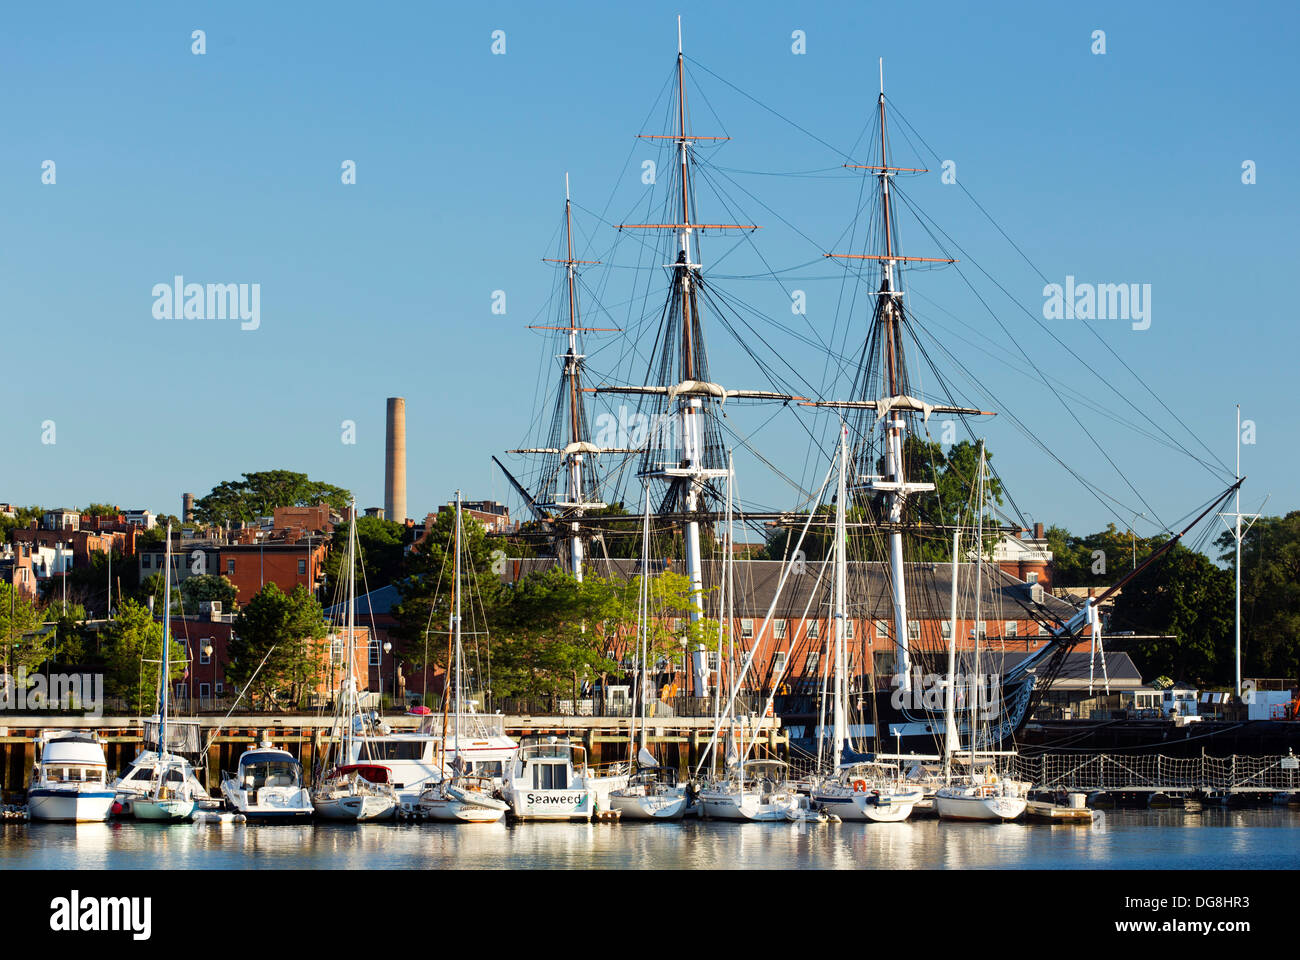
(372, 772)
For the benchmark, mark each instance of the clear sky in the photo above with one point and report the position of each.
(226, 167)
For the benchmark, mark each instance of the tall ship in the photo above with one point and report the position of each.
(890, 377)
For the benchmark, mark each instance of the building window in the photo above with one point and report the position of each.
(375, 651)
(1013, 629)
(913, 630)
(146, 560)
(882, 629)
(302, 568)
(778, 664)
(814, 629)
(1043, 631)
(336, 650)
(205, 691)
(984, 629)
(778, 629)
(810, 665)
(711, 659)
(848, 629)
(746, 629)
(230, 566)
(945, 629)
(220, 688)
(882, 664)
(203, 651)
(1031, 577)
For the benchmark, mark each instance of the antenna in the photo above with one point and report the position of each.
(566, 186)
(679, 34)
(882, 76)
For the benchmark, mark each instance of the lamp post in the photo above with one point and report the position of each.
(207, 652)
(392, 665)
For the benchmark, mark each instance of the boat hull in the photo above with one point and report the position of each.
(162, 810)
(970, 808)
(69, 804)
(660, 807)
(355, 808)
(749, 807)
(448, 810)
(553, 804)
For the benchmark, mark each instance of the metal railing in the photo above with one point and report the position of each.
(1152, 773)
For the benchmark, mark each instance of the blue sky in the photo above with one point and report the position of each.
(225, 168)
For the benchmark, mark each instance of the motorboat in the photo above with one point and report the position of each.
(549, 780)
(69, 781)
(267, 786)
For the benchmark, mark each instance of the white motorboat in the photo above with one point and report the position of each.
(549, 780)
(267, 786)
(69, 781)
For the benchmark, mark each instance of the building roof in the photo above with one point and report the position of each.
(869, 587)
(379, 602)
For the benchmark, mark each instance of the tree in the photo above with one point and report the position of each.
(23, 517)
(100, 510)
(1098, 559)
(258, 494)
(133, 656)
(286, 631)
(1186, 596)
(381, 546)
(1270, 594)
(23, 647)
(206, 586)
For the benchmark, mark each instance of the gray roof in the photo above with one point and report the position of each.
(929, 587)
(379, 601)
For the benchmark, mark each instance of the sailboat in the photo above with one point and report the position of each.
(982, 794)
(170, 797)
(353, 791)
(860, 789)
(653, 792)
(461, 797)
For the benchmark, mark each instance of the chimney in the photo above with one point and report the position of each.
(1038, 531)
(395, 461)
(187, 507)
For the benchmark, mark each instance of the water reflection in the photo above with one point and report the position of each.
(1223, 838)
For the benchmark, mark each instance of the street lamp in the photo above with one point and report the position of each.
(388, 648)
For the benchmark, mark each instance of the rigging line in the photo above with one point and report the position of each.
(1046, 382)
(1091, 328)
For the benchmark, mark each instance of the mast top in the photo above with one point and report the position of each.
(882, 76)
(679, 34)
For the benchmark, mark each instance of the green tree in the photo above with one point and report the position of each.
(381, 548)
(23, 517)
(133, 656)
(287, 631)
(1098, 559)
(24, 648)
(206, 586)
(1185, 596)
(259, 493)
(100, 510)
(1270, 594)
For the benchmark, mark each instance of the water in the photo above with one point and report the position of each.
(1265, 838)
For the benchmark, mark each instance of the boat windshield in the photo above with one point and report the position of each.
(270, 773)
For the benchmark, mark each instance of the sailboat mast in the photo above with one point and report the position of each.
(979, 569)
(1237, 537)
(951, 743)
(841, 612)
(571, 375)
(167, 639)
(350, 625)
(456, 627)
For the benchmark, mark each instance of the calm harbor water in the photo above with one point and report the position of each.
(1266, 838)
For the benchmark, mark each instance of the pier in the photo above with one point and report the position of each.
(678, 741)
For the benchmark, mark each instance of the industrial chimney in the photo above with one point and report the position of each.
(395, 461)
(187, 507)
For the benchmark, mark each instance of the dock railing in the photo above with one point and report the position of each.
(1154, 773)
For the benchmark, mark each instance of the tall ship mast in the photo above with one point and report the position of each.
(568, 481)
(684, 450)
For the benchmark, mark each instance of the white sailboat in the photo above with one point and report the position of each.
(355, 791)
(169, 798)
(460, 798)
(858, 790)
(652, 792)
(981, 794)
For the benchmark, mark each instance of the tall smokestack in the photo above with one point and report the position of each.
(395, 461)
(187, 507)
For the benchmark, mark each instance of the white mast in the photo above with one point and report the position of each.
(167, 638)
(979, 569)
(1237, 537)
(951, 740)
(456, 622)
(841, 613)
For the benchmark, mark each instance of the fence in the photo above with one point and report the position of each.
(1152, 773)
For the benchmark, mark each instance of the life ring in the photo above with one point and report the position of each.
(859, 786)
